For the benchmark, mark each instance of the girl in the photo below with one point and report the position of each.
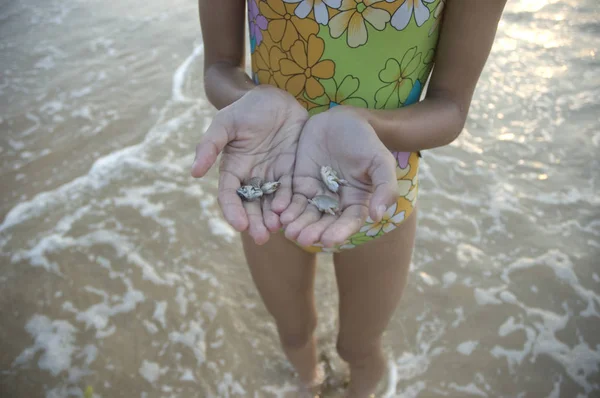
(335, 82)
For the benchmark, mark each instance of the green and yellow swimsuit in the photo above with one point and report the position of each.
(365, 53)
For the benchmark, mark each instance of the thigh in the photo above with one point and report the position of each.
(284, 276)
(371, 278)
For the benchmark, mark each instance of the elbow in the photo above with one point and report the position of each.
(457, 118)
(455, 107)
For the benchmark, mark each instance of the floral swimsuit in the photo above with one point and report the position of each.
(364, 53)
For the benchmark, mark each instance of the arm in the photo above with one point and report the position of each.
(466, 38)
(223, 24)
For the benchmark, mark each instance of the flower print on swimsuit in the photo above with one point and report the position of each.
(437, 14)
(415, 92)
(257, 24)
(387, 223)
(402, 170)
(411, 196)
(318, 6)
(427, 65)
(266, 66)
(402, 159)
(284, 26)
(306, 66)
(404, 13)
(396, 76)
(353, 18)
(338, 94)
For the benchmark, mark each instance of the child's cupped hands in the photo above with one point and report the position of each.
(257, 136)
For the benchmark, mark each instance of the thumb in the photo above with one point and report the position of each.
(211, 145)
(383, 178)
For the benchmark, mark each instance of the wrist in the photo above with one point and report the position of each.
(225, 84)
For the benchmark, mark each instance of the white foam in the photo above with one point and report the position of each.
(281, 391)
(151, 371)
(56, 341)
(428, 279)
(555, 393)
(137, 197)
(412, 390)
(219, 334)
(229, 387)
(181, 300)
(467, 347)
(449, 278)
(194, 338)
(90, 352)
(220, 228)
(188, 375)
(159, 313)
(150, 327)
(460, 317)
(209, 309)
(411, 365)
(98, 315)
(467, 253)
(470, 389)
(392, 380)
(487, 296)
(179, 75)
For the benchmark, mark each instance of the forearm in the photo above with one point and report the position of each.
(222, 24)
(467, 35)
(436, 121)
(224, 83)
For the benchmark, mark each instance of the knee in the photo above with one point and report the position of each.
(298, 335)
(356, 350)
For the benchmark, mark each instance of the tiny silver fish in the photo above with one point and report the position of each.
(254, 181)
(331, 179)
(325, 204)
(270, 187)
(249, 193)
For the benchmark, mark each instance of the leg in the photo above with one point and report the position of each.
(284, 276)
(371, 278)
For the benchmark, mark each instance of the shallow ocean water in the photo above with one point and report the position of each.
(118, 271)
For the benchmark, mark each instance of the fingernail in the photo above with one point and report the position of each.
(380, 210)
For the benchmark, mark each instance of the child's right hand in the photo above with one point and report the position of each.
(258, 136)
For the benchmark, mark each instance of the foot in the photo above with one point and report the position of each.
(312, 389)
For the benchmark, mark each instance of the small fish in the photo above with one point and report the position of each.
(325, 204)
(270, 187)
(254, 181)
(331, 179)
(249, 193)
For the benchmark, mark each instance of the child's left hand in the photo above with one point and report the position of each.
(344, 140)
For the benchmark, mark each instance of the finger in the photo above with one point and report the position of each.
(211, 145)
(283, 196)
(383, 178)
(256, 228)
(230, 203)
(312, 233)
(349, 223)
(294, 210)
(310, 216)
(271, 219)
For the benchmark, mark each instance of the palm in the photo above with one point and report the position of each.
(349, 145)
(258, 137)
